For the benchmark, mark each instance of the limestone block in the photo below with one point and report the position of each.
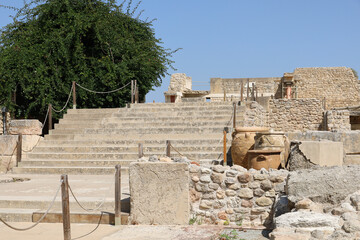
(306, 220)
(30, 141)
(323, 153)
(7, 163)
(25, 127)
(159, 193)
(323, 185)
(7, 144)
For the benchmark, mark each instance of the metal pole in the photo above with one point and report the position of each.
(132, 91)
(117, 195)
(234, 117)
(19, 150)
(224, 152)
(50, 117)
(168, 148)
(141, 150)
(65, 207)
(74, 94)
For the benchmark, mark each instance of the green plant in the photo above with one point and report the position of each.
(226, 222)
(200, 221)
(193, 220)
(232, 235)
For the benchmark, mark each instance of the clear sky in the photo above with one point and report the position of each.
(250, 38)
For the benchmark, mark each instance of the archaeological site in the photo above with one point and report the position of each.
(278, 154)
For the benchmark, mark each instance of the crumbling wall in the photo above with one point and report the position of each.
(295, 114)
(179, 82)
(255, 115)
(338, 85)
(338, 120)
(229, 196)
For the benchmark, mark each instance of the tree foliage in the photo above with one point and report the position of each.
(97, 43)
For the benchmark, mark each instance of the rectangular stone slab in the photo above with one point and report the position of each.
(159, 193)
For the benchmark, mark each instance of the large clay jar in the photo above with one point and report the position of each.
(243, 141)
(273, 141)
(267, 159)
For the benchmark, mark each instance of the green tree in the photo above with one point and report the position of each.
(97, 43)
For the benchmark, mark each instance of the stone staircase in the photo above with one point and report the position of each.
(93, 141)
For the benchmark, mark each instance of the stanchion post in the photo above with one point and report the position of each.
(141, 150)
(74, 94)
(117, 195)
(50, 117)
(224, 94)
(135, 92)
(3, 112)
(247, 90)
(253, 92)
(234, 117)
(65, 207)
(132, 91)
(242, 92)
(168, 152)
(225, 160)
(19, 149)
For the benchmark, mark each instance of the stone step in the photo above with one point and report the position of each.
(114, 156)
(94, 110)
(131, 142)
(144, 130)
(42, 203)
(138, 137)
(16, 214)
(352, 159)
(69, 170)
(127, 148)
(74, 163)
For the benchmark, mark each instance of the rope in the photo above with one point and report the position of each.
(65, 103)
(94, 209)
(43, 216)
(92, 91)
(92, 230)
(46, 116)
(33, 146)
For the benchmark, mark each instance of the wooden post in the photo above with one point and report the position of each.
(256, 93)
(225, 160)
(65, 207)
(132, 91)
(234, 117)
(224, 95)
(135, 91)
(19, 149)
(324, 103)
(168, 152)
(141, 150)
(242, 92)
(117, 195)
(74, 94)
(247, 90)
(50, 117)
(253, 92)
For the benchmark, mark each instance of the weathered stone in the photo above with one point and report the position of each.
(306, 220)
(235, 186)
(194, 195)
(219, 204)
(194, 168)
(351, 226)
(152, 185)
(206, 204)
(246, 193)
(222, 215)
(271, 193)
(340, 179)
(233, 202)
(254, 185)
(266, 185)
(211, 195)
(8, 144)
(205, 179)
(239, 168)
(202, 187)
(195, 179)
(244, 177)
(217, 178)
(153, 158)
(29, 142)
(277, 178)
(165, 159)
(218, 169)
(214, 186)
(263, 201)
(229, 181)
(257, 211)
(229, 211)
(205, 170)
(258, 192)
(303, 204)
(230, 193)
(355, 201)
(279, 187)
(246, 204)
(25, 127)
(260, 177)
(231, 173)
(220, 194)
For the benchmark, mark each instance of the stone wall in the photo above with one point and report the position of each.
(1, 122)
(234, 196)
(338, 85)
(179, 82)
(338, 120)
(265, 86)
(255, 115)
(295, 114)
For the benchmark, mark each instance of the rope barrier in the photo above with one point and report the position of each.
(92, 91)
(12, 154)
(94, 209)
(42, 217)
(58, 111)
(92, 230)
(46, 116)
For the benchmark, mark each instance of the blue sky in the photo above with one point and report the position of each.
(250, 38)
